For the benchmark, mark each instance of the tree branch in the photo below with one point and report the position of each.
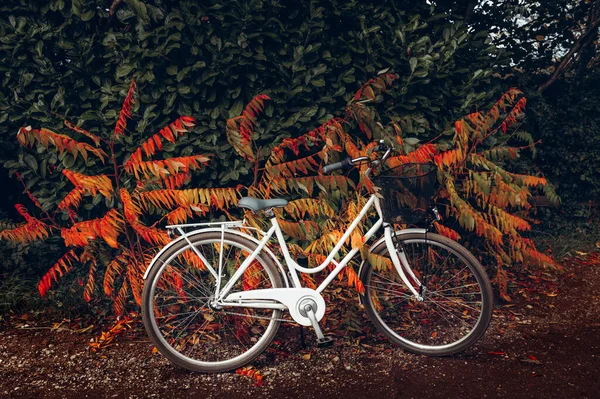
(584, 40)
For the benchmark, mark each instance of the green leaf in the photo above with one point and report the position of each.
(31, 162)
(318, 82)
(172, 70)
(413, 64)
(124, 70)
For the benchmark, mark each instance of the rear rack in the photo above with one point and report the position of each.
(180, 229)
(231, 223)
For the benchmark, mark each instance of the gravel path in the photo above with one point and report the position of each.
(545, 345)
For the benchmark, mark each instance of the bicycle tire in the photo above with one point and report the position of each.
(416, 317)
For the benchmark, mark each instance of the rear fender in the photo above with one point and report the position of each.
(270, 253)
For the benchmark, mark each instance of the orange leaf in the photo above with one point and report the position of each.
(62, 266)
(125, 112)
(31, 230)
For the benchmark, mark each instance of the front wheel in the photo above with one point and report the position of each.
(457, 295)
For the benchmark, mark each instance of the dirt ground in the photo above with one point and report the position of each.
(543, 345)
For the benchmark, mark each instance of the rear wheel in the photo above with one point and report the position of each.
(457, 296)
(180, 317)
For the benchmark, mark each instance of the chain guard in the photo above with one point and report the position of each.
(292, 298)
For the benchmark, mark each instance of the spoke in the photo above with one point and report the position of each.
(455, 302)
(179, 297)
(450, 279)
(176, 291)
(201, 328)
(397, 304)
(450, 324)
(456, 288)
(444, 311)
(177, 314)
(228, 253)
(400, 286)
(441, 265)
(191, 317)
(201, 286)
(235, 335)
(398, 294)
(458, 296)
(391, 282)
(459, 318)
(163, 305)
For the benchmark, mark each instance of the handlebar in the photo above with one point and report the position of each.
(345, 164)
(348, 163)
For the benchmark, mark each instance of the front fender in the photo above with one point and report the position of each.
(381, 240)
(218, 229)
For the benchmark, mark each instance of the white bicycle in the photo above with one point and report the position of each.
(214, 297)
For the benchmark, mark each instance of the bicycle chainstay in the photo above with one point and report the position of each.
(259, 317)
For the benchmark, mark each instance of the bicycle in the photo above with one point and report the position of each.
(214, 297)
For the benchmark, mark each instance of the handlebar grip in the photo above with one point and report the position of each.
(345, 164)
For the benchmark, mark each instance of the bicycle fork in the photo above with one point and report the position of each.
(401, 263)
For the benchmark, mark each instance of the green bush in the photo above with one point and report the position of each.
(74, 60)
(207, 59)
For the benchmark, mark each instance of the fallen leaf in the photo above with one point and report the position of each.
(306, 357)
(551, 293)
(496, 353)
(530, 360)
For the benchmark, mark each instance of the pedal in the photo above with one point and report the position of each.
(307, 309)
(325, 342)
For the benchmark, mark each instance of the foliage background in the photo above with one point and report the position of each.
(74, 59)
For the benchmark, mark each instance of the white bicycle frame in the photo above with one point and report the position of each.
(273, 298)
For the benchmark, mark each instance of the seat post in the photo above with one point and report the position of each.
(269, 212)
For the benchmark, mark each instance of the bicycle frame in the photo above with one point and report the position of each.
(276, 298)
(400, 262)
